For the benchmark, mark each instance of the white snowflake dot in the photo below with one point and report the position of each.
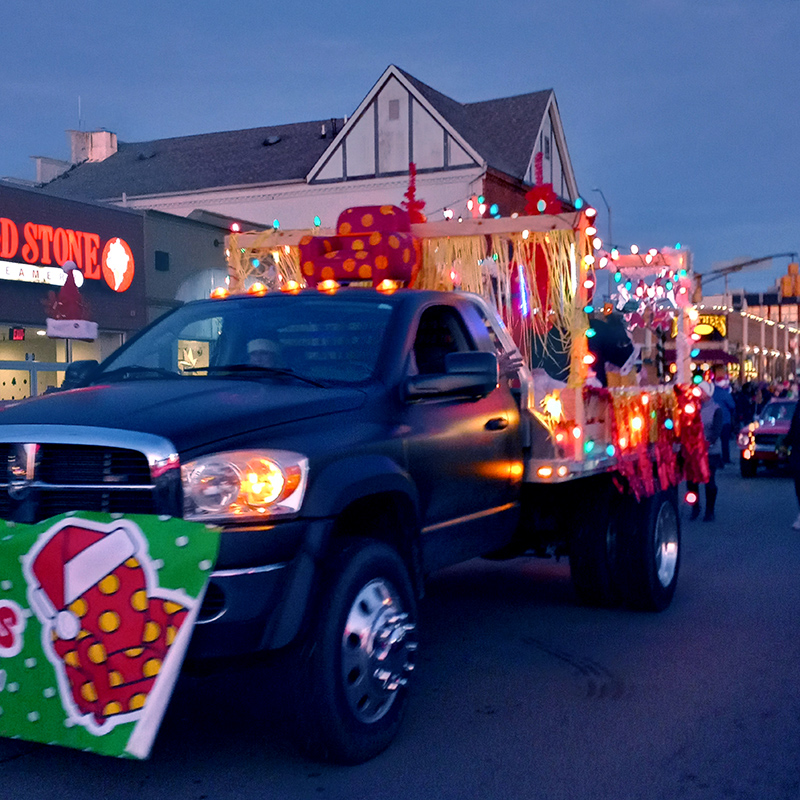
(6, 586)
(164, 517)
(68, 723)
(182, 541)
(33, 716)
(49, 692)
(158, 563)
(117, 515)
(205, 564)
(13, 687)
(30, 663)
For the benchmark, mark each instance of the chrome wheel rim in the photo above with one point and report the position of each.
(378, 646)
(666, 544)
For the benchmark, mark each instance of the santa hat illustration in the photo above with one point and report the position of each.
(73, 561)
(67, 312)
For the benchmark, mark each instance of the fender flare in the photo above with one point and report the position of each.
(350, 478)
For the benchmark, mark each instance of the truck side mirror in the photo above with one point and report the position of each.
(470, 374)
(77, 373)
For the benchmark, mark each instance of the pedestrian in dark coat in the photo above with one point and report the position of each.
(724, 399)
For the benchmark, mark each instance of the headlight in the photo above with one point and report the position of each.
(244, 484)
(743, 440)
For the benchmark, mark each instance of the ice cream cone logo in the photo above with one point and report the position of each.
(106, 625)
(117, 264)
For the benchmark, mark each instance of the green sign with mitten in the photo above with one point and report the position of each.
(96, 613)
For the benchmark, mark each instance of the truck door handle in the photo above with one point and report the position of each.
(496, 424)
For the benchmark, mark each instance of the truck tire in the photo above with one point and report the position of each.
(748, 467)
(593, 545)
(649, 549)
(354, 666)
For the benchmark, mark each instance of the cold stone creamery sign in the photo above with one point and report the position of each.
(35, 255)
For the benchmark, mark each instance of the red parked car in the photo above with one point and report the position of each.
(761, 442)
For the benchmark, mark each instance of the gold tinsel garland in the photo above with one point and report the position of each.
(484, 265)
(277, 263)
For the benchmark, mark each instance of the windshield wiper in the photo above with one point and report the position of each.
(255, 370)
(133, 371)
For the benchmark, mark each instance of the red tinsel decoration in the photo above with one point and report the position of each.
(634, 470)
(411, 204)
(545, 196)
(694, 447)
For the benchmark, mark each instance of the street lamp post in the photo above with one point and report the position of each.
(608, 209)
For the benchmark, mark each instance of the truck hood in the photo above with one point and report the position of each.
(189, 412)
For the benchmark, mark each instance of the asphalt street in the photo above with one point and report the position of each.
(522, 693)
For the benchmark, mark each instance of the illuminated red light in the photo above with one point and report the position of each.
(691, 498)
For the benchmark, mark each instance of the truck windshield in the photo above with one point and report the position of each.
(311, 339)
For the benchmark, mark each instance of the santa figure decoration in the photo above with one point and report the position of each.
(67, 312)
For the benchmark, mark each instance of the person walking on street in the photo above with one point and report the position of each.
(724, 399)
(711, 416)
(792, 441)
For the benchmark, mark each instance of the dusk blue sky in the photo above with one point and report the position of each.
(685, 113)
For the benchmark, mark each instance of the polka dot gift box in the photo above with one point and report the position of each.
(372, 243)
(104, 610)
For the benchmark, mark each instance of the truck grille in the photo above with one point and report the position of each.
(51, 478)
(79, 465)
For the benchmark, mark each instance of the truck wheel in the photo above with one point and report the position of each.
(649, 547)
(357, 659)
(748, 467)
(593, 545)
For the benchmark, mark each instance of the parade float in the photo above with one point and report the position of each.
(173, 505)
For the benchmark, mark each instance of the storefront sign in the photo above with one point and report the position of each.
(33, 253)
(13, 271)
(706, 325)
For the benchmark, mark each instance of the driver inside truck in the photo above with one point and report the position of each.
(264, 353)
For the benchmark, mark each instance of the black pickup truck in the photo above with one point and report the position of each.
(349, 445)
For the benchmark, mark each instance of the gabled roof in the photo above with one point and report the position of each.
(193, 163)
(502, 131)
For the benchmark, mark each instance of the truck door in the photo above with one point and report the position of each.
(463, 454)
